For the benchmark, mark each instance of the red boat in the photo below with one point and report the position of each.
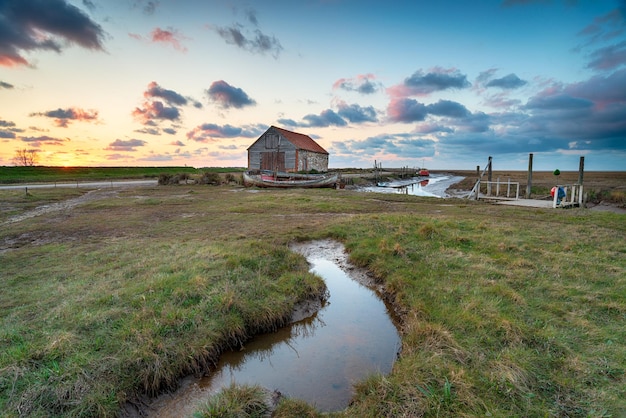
(423, 172)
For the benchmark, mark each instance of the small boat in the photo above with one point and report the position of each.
(423, 172)
(263, 178)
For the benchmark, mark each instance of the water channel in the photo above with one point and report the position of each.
(435, 185)
(317, 359)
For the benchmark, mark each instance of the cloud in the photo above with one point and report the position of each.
(4, 85)
(326, 118)
(128, 145)
(608, 58)
(170, 96)
(288, 122)
(164, 36)
(177, 143)
(253, 41)
(406, 110)
(431, 128)
(161, 104)
(604, 29)
(155, 110)
(30, 25)
(208, 132)
(561, 119)
(473, 122)
(169, 131)
(345, 113)
(38, 141)
(149, 131)
(8, 129)
(89, 4)
(510, 81)
(63, 117)
(147, 7)
(407, 145)
(357, 114)
(158, 157)
(363, 84)
(602, 90)
(558, 102)
(423, 84)
(458, 116)
(227, 96)
(171, 36)
(501, 100)
(448, 108)
(6, 124)
(251, 16)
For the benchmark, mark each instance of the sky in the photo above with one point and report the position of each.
(439, 84)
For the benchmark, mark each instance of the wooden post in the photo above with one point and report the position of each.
(581, 170)
(489, 176)
(530, 175)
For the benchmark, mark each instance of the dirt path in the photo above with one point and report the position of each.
(60, 206)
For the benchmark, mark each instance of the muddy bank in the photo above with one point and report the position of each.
(335, 250)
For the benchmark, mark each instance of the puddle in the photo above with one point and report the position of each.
(317, 359)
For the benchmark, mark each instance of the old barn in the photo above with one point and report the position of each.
(282, 150)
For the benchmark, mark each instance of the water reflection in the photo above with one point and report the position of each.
(435, 186)
(317, 359)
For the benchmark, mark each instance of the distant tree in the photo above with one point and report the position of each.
(26, 157)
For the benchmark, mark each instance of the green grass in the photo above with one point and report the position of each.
(506, 311)
(507, 318)
(44, 174)
(236, 402)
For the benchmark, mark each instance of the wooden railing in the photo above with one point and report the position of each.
(572, 195)
(499, 187)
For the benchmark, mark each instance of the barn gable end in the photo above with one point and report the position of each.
(283, 150)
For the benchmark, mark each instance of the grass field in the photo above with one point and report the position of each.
(506, 311)
(18, 174)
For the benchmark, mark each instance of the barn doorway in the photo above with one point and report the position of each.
(274, 161)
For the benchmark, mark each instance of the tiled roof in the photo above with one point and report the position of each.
(301, 141)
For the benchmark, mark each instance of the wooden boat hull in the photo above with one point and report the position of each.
(290, 181)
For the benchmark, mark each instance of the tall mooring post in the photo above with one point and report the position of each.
(581, 170)
(530, 175)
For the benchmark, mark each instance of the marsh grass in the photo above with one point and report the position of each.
(236, 402)
(37, 174)
(504, 317)
(506, 311)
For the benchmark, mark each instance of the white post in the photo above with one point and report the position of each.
(556, 196)
(498, 187)
(508, 187)
(580, 195)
